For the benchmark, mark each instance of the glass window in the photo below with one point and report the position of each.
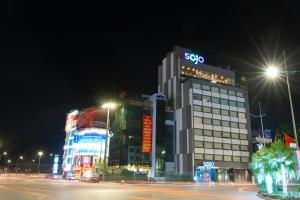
(215, 100)
(243, 137)
(198, 144)
(225, 123)
(224, 102)
(225, 112)
(218, 157)
(198, 156)
(235, 147)
(197, 108)
(234, 125)
(207, 121)
(236, 159)
(233, 114)
(207, 132)
(244, 148)
(216, 111)
(208, 145)
(245, 159)
(197, 120)
(197, 97)
(242, 126)
(240, 104)
(223, 91)
(216, 122)
(242, 115)
(232, 103)
(196, 86)
(206, 98)
(227, 158)
(234, 135)
(198, 132)
(206, 109)
(239, 94)
(208, 157)
(231, 93)
(217, 134)
(206, 87)
(227, 146)
(217, 145)
(214, 89)
(226, 134)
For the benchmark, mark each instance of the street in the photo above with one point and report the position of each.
(37, 188)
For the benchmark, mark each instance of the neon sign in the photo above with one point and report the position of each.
(194, 58)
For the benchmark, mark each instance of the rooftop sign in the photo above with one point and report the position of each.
(194, 58)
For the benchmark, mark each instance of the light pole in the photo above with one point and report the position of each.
(40, 153)
(273, 73)
(7, 164)
(21, 157)
(107, 106)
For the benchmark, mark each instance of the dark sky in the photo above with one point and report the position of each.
(58, 56)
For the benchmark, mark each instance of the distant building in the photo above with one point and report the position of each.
(260, 139)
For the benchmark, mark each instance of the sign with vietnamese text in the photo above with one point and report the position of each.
(147, 134)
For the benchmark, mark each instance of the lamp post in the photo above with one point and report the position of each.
(40, 153)
(21, 158)
(273, 72)
(107, 106)
(7, 164)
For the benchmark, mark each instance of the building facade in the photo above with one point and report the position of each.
(213, 131)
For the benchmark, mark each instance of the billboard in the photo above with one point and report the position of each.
(92, 118)
(71, 120)
(147, 134)
(86, 161)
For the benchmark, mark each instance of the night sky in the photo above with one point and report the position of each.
(58, 56)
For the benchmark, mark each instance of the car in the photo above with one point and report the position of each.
(70, 176)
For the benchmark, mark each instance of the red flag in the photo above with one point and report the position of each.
(287, 139)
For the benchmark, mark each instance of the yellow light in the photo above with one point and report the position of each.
(109, 105)
(272, 72)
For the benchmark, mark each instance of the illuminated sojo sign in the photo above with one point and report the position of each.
(194, 58)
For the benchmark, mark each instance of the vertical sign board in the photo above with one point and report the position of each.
(55, 164)
(298, 160)
(147, 134)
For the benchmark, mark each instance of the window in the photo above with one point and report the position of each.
(215, 100)
(206, 87)
(196, 86)
(217, 134)
(240, 104)
(214, 89)
(198, 132)
(234, 125)
(197, 97)
(232, 103)
(234, 136)
(242, 126)
(208, 145)
(198, 156)
(197, 120)
(207, 121)
(206, 109)
(239, 94)
(235, 147)
(242, 115)
(216, 122)
(217, 145)
(244, 148)
(198, 144)
(227, 146)
(233, 114)
(226, 135)
(216, 111)
(224, 102)
(231, 93)
(223, 91)
(208, 157)
(225, 123)
(225, 112)
(227, 158)
(208, 132)
(206, 98)
(218, 157)
(245, 159)
(236, 159)
(197, 108)
(243, 137)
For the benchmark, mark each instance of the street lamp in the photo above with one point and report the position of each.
(107, 106)
(20, 158)
(4, 153)
(40, 153)
(273, 72)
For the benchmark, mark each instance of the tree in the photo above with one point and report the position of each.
(285, 128)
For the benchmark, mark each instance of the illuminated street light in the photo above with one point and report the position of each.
(5, 153)
(272, 72)
(40, 153)
(19, 158)
(108, 106)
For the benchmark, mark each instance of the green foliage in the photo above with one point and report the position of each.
(285, 128)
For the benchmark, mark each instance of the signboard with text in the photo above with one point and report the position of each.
(147, 134)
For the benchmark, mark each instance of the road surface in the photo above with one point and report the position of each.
(34, 188)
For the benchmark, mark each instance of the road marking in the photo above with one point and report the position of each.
(142, 198)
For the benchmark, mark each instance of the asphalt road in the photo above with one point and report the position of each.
(33, 188)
